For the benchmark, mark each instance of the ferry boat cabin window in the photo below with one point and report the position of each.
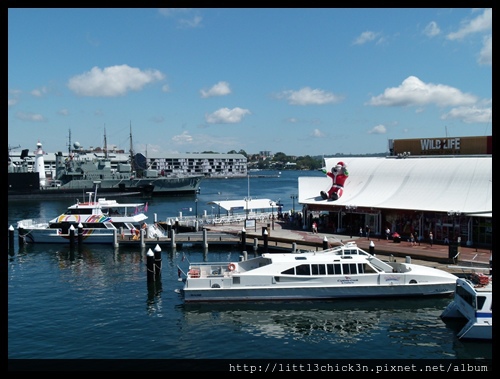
(349, 268)
(83, 211)
(318, 269)
(303, 270)
(466, 296)
(480, 301)
(334, 269)
(364, 268)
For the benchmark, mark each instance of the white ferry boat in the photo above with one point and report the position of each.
(472, 306)
(341, 272)
(99, 221)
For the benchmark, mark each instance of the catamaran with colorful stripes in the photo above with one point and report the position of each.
(98, 220)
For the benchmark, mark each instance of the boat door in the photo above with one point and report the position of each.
(219, 283)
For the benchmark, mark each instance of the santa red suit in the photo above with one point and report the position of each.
(339, 175)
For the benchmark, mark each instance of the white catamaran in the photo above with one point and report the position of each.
(341, 272)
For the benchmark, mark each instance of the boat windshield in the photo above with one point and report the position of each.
(79, 211)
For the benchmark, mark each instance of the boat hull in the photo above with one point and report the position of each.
(471, 323)
(314, 293)
(55, 236)
(162, 186)
(341, 272)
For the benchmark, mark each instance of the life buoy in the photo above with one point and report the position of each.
(231, 267)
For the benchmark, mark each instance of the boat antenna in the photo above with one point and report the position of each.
(131, 150)
(105, 143)
(69, 142)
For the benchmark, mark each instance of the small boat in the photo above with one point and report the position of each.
(472, 306)
(100, 221)
(341, 272)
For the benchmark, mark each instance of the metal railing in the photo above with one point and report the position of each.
(190, 221)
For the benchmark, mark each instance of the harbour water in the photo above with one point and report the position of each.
(95, 302)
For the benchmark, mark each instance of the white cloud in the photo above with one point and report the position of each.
(13, 102)
(414, 92)
(183, 138)
(485, 56)
(309, 96)
(318, 133)
(112, 81)
(432, 29)
(39, 92)
(482, 23)
(219, 89)
(365, 37)
(470, 115)
(63, 112)
(30, 117)
(378, 129)
(165, 88)
(193, 22)
(227, 116)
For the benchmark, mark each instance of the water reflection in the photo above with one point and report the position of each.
(408, 323)
(347, 318)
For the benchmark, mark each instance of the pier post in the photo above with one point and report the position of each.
(243, 239)
(255, 245)
(71, 236)
(157, 268)
(150, 261)
(325, 243)
(143, 232)
(294, 247)
(115, 237)
(80, 234)
(169, 228)
(11, 237)
(205, 239)
(266, 238)
(172, 240)
(372, 248)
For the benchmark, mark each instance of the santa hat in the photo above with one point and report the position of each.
(340, 164)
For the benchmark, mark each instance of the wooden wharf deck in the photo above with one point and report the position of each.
(252, 242)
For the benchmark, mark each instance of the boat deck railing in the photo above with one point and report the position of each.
(34, 222)
(190, 221)
(205, 269)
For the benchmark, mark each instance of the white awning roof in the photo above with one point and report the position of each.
(241, 205)
(460, 184)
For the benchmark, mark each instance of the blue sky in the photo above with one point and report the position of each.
(297, 81)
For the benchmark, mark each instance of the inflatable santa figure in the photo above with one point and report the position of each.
(339, 175)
